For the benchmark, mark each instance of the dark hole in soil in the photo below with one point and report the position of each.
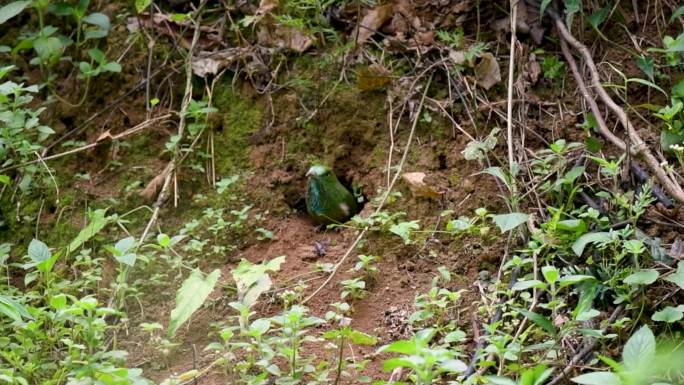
(68, 121)
(442, 161)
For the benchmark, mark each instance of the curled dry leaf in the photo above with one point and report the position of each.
(487, 71)
(211, 63)
(373, 20)
(150, 191)
(416, 182)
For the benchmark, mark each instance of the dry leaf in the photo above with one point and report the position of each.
(155, 184)
(373, 77)
(285, 38)
(418, 186)
(105, 135)
(211, 63)
(266, 6)
(487, 71)
(372, 22)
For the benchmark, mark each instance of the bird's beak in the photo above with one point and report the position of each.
(309, 173)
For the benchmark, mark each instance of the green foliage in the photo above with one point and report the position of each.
(424, 361)
(553, 68)
(190, 297)
(643, 362)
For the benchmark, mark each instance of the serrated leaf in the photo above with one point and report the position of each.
(192, 294)
(584, 240)
(643, 277)
(640, 347)
(12, 9)
(404, 230)
(507, 222)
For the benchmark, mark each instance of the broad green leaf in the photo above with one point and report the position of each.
(190, 297)
(598, 378)
(251, 280)
(98, 19)
(550, 274)
(404, 230)
(4, 179)
(677, 277)
(677, 13)
(573, 225)
(393, 363)
(12, 9)
(640, 347)
(499, 173)
(568, 280)
(453, 366)
(645, 64)
(588, 292)
(507, 222)
(96, 55)
(13, 309)
(643, 277)
(58, 302)
(98, 221)
(538, 319)
(38, 251)
(669, 315)
(584, 240)
(360, 338)
(140, 5)
(597, 18)
(532, 283)
(403, 347)
(498, 380)
(542, 7)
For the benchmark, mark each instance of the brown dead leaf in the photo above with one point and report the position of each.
(487, 71)
(155, 184)
(266, 6)
(211, 63)
(104, 136)
(372, 22)
(284, 37)
(418, 187)
(373, 77)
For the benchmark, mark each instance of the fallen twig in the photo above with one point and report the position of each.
(121, 135)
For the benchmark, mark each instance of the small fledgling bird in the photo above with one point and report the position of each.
(327, 200)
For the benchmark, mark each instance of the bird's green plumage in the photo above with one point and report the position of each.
(327, 200)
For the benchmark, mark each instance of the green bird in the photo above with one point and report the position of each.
(327, 201)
